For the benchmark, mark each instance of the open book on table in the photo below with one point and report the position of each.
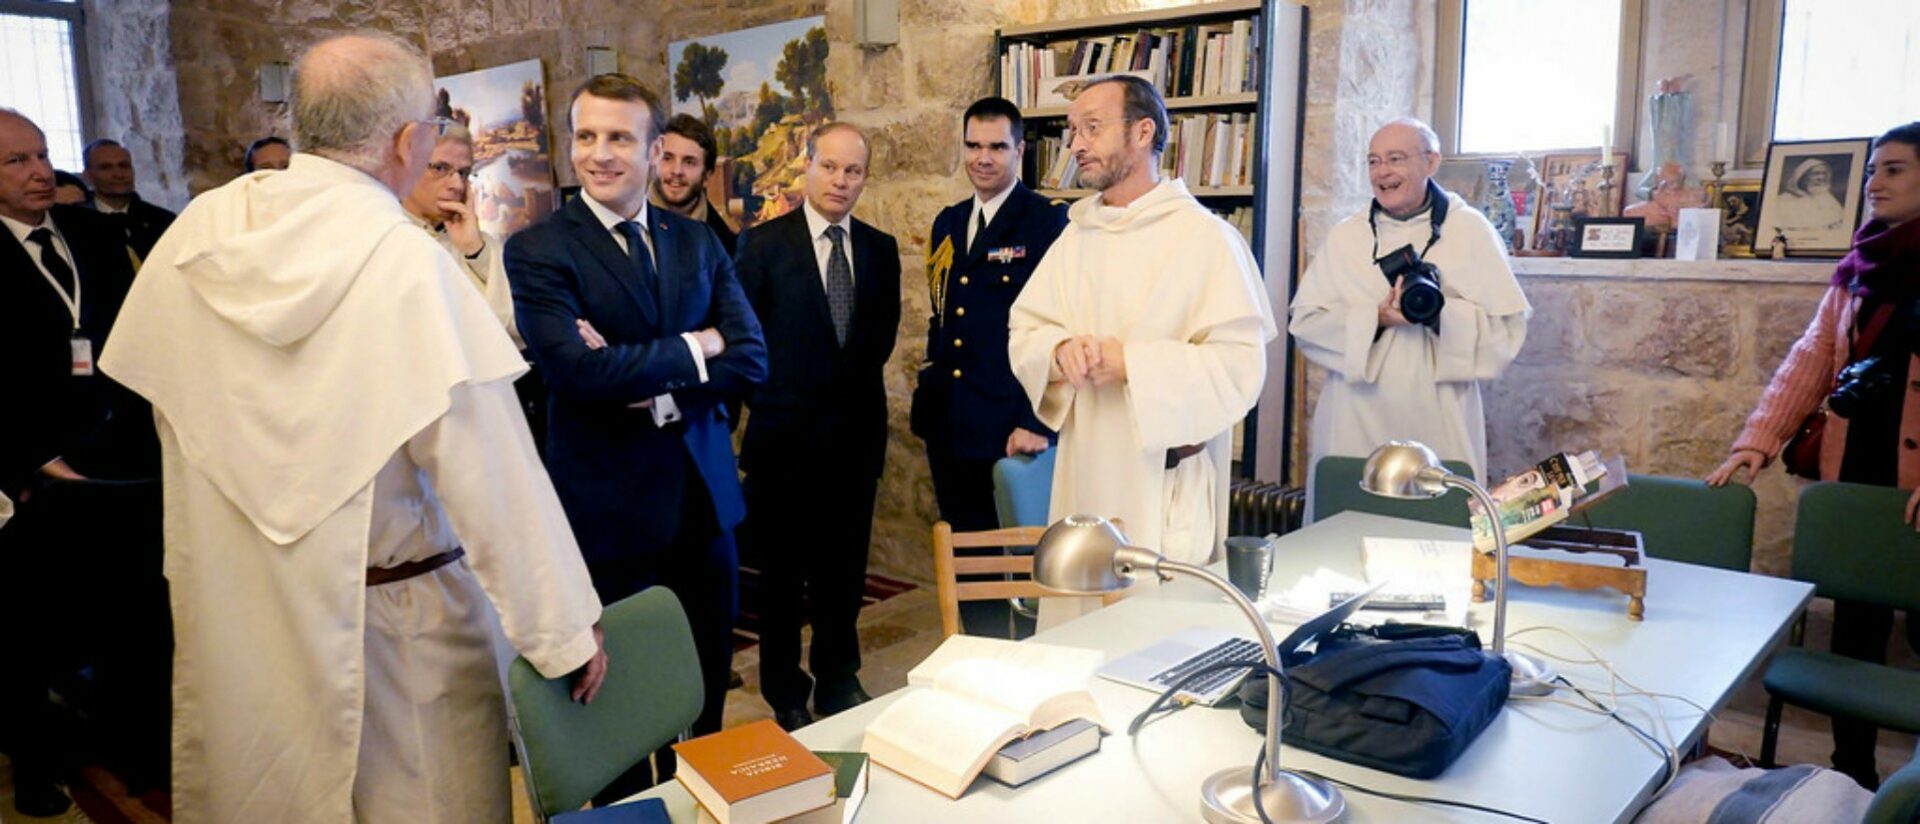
(1545, 494)
(971, 697)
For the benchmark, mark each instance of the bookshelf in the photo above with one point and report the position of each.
(1253, 91)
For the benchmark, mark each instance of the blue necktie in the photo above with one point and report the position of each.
(839, 284)
(637, 253)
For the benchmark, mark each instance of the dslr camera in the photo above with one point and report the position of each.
(1866, 382)
(1420, 298)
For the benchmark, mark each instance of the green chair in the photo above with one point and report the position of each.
(1898, 801)
(651, 696)
(1851, 543)
(1681, 519)
(1023, 488)
(1336, 489)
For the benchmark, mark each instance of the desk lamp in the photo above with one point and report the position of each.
(1087, 555)
(1408, 470)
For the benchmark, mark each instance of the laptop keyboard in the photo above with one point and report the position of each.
(1236, 650)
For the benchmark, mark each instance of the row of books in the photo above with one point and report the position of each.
(1182, 61)
(1207, 149)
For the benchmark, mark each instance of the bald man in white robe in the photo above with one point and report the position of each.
(335, 406)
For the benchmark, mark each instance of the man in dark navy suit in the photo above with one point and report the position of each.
(828, 289)
(968, 407)
(79, 455)
(635, 317)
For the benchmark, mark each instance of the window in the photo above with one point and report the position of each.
(40, 73)
(1847, 69)
(1528, 75)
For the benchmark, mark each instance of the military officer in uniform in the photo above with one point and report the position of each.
(968, 407)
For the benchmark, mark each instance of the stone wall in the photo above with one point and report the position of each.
(135, 100)
(1644, 359)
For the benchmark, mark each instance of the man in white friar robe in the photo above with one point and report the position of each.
(1391, 379)
(1141, 338)
(335, 405)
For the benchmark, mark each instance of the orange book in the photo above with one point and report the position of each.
(753, 773)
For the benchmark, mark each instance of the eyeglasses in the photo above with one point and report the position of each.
(438, 169)
(1396, 159)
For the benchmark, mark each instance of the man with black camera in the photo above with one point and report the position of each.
(1409, 305)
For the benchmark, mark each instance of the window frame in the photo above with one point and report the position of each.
(76, 18)
(1450, 33)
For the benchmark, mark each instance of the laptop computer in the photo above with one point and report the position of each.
(1166, 662)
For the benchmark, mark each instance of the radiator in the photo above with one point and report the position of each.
(1259, 508)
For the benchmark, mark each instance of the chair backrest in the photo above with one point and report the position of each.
(1682, 519)
(651, 695)
(948, 567)
(1851, 541)
(1898, 799)
(1023, 488)
(1336, 489)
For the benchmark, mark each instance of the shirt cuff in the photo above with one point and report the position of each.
(665, 411)
(699, 359)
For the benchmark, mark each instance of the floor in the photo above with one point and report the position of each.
(898, 632)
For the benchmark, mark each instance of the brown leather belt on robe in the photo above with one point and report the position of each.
(1181, 453)
(412, 569)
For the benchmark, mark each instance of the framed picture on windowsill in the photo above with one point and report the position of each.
(1812, 195)
(1607, 237)
(1558, 173)
(1739, 217)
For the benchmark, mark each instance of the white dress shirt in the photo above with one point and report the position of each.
(665, 411)
(989, 207)
(822, 245)
(20, 232)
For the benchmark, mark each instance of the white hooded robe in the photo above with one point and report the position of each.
(1179, 287)
(330, 396)
(1408, 383)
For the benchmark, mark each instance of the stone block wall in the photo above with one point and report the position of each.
(1663, 371)
(135, 98)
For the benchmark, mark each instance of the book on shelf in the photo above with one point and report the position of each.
(1026, 759)
(849, 790)
(753, 773)
(1543, 495)
(970, 698)
(1182, 61)
(642, 811)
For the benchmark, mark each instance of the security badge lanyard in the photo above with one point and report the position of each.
(80, 345)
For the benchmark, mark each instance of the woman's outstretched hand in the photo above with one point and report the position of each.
(1751, 460)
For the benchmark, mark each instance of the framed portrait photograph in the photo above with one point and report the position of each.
(1560, 170)
(1812, 194)
(1607, 237)
(1739, 217)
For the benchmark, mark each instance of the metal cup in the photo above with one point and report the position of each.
(1250, 564)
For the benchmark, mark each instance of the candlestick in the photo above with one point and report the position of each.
(1605, 207)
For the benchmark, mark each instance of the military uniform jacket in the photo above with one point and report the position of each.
(968, 400)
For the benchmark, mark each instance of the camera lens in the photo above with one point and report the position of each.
(1420, 298)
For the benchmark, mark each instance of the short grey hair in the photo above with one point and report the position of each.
(9, 112)
(1429, 139)
(456, 133)
(353, 93)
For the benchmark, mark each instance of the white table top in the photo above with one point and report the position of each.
(1706, 631)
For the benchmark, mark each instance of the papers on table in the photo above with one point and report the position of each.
(1423, 567)
(1406, 567)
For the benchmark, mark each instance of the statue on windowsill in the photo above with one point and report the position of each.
(1670, 195)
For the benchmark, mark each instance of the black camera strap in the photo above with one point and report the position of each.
(1437, 204)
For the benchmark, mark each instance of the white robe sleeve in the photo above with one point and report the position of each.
(1189, 391)
(1036, 325)
(1482, 331)
(489, 271)
(480, 458)
(1335, 330)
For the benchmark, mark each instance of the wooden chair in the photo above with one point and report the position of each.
(947, 568)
